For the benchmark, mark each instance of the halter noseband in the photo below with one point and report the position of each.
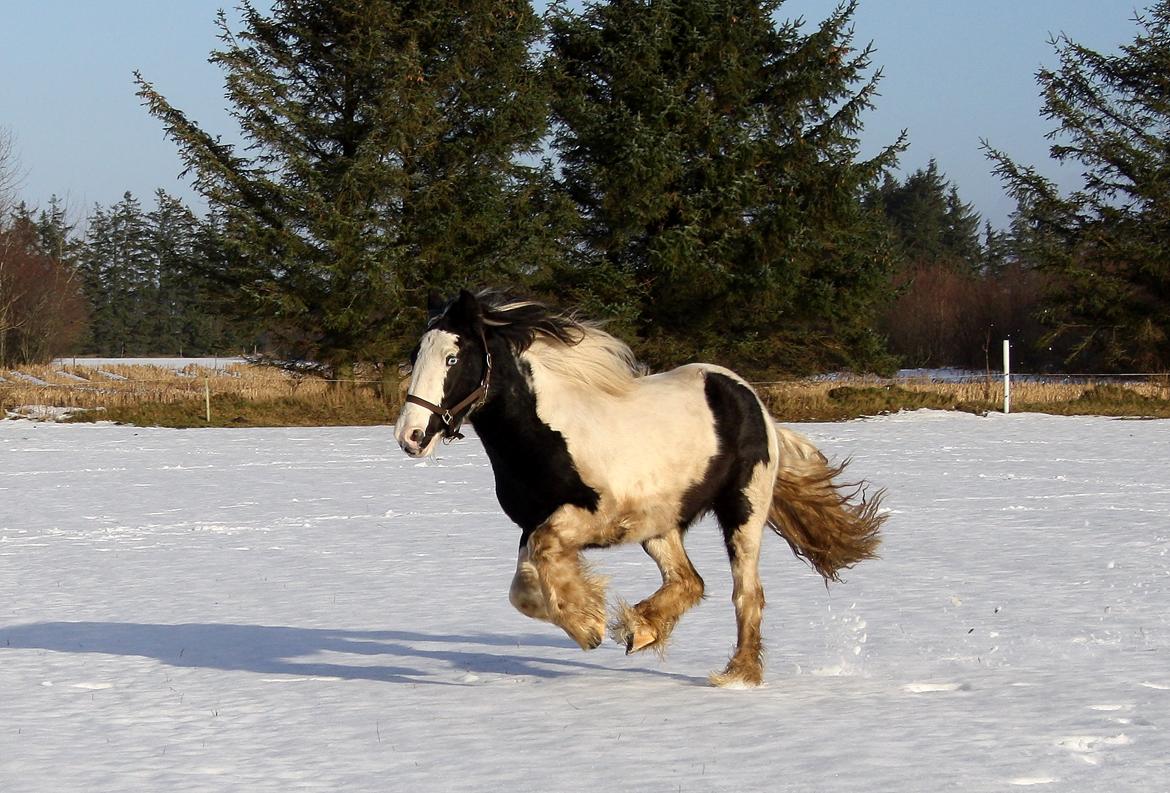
(451, 417)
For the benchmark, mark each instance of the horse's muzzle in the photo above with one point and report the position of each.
(415, 443)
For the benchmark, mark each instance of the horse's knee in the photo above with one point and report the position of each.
(525, 594)
(528, 603)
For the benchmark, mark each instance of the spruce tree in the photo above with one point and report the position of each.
(1107, 244)
(118, 273)
(712, 154)
(380, 160)
(56, 231)
(929, 220)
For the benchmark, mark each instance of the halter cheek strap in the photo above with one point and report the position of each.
(454, 416)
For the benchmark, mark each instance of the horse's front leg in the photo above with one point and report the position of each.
(525, 594)
(574, 599)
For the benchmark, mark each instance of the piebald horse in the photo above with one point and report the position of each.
(564, 414)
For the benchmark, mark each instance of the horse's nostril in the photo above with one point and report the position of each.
(416, 436)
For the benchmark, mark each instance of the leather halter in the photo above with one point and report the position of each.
(454, 416)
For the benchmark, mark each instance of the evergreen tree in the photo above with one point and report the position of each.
(997, 249)
(712, 154)
(381, 161)
(929, 220)
(143, 275)
(173, 238)
(56, 232)
(1107, 244)
(116, 269)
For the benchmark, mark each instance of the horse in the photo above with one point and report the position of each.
(588, 451)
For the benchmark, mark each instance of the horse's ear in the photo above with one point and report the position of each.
(435, 304)
(465, 309)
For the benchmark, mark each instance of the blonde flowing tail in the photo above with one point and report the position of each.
(831, 526)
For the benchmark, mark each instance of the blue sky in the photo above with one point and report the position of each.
(954, 71)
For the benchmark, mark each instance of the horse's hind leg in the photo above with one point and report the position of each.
(742, 520)
(649, 624)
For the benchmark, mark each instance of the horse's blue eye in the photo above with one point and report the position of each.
(452, 360)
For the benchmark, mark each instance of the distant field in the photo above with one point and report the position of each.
(162, 392)
(174, 392)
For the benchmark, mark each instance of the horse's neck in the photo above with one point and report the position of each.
(509, 416)
(534, 471)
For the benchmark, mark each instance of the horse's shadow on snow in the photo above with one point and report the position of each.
(277, 650)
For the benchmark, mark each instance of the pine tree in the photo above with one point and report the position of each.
(929, 219)
(1107, 244)
(997, 249)
(381, 161)
(119, 278)
(133, 278)
(712, 154)
(56, 232)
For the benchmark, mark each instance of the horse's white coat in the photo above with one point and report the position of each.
(618, 440)
(426, 382)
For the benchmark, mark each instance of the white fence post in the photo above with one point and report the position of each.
(1007, 376)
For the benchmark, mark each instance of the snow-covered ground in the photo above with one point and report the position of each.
(308, 609)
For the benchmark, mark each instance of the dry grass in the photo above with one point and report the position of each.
(241, 395)
(818, 400)
(244, 395)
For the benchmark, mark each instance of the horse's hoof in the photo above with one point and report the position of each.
(639, 639)
(590, 640)
(629, 628)
(740, 673)
(587, 638)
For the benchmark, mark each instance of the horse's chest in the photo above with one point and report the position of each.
(535, 476)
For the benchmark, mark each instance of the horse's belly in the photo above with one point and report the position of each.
(642, 491)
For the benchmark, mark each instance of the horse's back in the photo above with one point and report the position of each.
(697, 427)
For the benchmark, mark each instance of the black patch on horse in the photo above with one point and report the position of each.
(535, 475)
(742, 437)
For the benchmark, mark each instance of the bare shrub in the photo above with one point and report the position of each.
(946, 315)
(42, 311)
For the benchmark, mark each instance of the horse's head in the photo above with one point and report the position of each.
(450, 377)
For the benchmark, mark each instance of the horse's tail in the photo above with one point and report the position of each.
(831, 526)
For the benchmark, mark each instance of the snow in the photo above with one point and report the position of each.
(27, 378)
(46, 412)
(164, 363)
(275, 609)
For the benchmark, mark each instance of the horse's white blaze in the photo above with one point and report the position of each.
(426, 382)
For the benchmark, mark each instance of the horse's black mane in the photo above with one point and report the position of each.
(520, 321)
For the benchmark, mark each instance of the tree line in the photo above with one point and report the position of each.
(689, 170)
(127, 283)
